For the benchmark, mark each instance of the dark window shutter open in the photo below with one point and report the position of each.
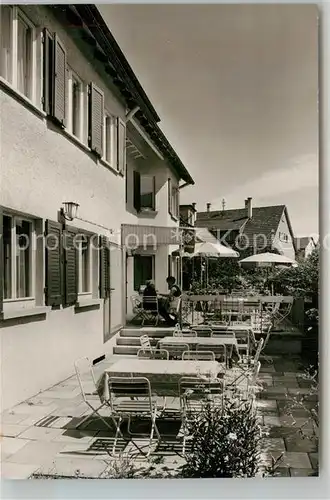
(137, 191)
(48, 71)
(71, 268)
(121, 145)
(53, 244)
(104, 257)
(96, 113)
(169, 194)
(59, 81)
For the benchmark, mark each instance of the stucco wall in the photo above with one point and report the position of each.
(284, 246)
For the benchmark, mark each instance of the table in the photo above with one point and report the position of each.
(193, 342)
(164, 375)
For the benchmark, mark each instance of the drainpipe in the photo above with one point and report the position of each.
(131, 113)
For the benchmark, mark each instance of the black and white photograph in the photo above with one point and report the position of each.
(159, 241)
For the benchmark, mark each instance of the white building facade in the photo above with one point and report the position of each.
(76, 126)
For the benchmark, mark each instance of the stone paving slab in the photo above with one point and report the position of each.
(17, 471)
(36, 452)
(41, 433)
(10, 446)
(303, 472)
(11, 430)
(77, 467)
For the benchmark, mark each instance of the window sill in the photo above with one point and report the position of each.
(75, 139)
(21, 97)
(147, 213)
(19, 313)
(108, 165)
(174, 218)
(82, 303)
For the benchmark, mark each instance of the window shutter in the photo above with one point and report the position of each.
(59, 82)
(48, 71)
(1, 263)
(96, 117)
(121, 145)
(169, 186)
(53, 290)
(71, 268)
(104, 257)
(137, 191)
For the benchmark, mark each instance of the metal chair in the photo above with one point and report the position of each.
(195, 392)
(219, 351)
(175, 349)
(140, 404)
(150, 310)
(243, 342)
(177, 332)
(153, 354)
(198, 355)
(89, 390)
(137, 307)
(145, 343)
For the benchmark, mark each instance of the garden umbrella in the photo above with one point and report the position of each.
(268, 260)
(208, 250)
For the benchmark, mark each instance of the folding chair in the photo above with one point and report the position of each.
(198, 355)
(177, 332)
(89, 390)
(137, 308)
(195, 392)
(153, 354)
(145, 343)
(151, 312)
(219, 351)
(243, 342)
(140, 404)
(175, 349)
(202, 330)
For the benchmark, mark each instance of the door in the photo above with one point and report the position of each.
(113, 301)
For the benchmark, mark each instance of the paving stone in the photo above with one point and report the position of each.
(295, 442)
(17, 471)
(296, 460)
(272, 421)
(37, 452)
(267, 369)
(272, 444)
(77, 467)
(10, 445)
(74, 436)
(10, 430)
(65, 394)
(296, 422)
(303, 472)
(266, 407)
(41, 433)
(12, 418)
(31, 409)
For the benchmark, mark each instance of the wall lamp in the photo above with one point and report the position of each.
(69, 211)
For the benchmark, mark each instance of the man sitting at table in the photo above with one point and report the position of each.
(169, 301)
(150, 305)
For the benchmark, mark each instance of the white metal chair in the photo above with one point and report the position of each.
(177, 332)
(219, 351)
(198, 355)
(145, 343)
(150, 309)
(153, 354)
(174, 349)
(194, 392)
(89, 390)
(135, 400)
(243, 342)
(137, 307)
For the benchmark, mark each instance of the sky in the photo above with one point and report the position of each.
(236, 88)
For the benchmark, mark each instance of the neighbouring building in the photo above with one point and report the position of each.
(304, 247)
(251, 229)
(76, 127)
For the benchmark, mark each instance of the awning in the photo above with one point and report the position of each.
(136, 236)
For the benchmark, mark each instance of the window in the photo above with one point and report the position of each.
(109, 138)
(143, 270)
(17, 255)
(173, 200)
(76, 106)
(20, 45)
(147, 192)
(84, 265)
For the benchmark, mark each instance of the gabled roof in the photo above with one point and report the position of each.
(303, 242)
(88, 21)
(265, 220)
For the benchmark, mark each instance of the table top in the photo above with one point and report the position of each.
(232, 328)
(164, 367)
(221, 339)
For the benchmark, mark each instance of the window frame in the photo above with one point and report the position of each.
(109, 140)
(32, 260)
(151, 208)
(36, 93)
(82, 110)
(87, 238)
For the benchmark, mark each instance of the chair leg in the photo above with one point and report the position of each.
(94, 412)
(118, 431)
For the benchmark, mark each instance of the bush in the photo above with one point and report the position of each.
(225, 442)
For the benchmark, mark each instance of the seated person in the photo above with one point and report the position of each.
(150, 291)
(169, 300)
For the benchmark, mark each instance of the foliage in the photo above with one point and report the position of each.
(225, 441)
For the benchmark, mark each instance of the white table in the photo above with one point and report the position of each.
(164, 375)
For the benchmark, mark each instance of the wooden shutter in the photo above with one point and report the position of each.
(1, 263)
(96, 117)
(137, 191)
(104, 258)
(121, 145)
(59, 82)
(70, 268)
(48, 71)
(169, 194)
(53, 244)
